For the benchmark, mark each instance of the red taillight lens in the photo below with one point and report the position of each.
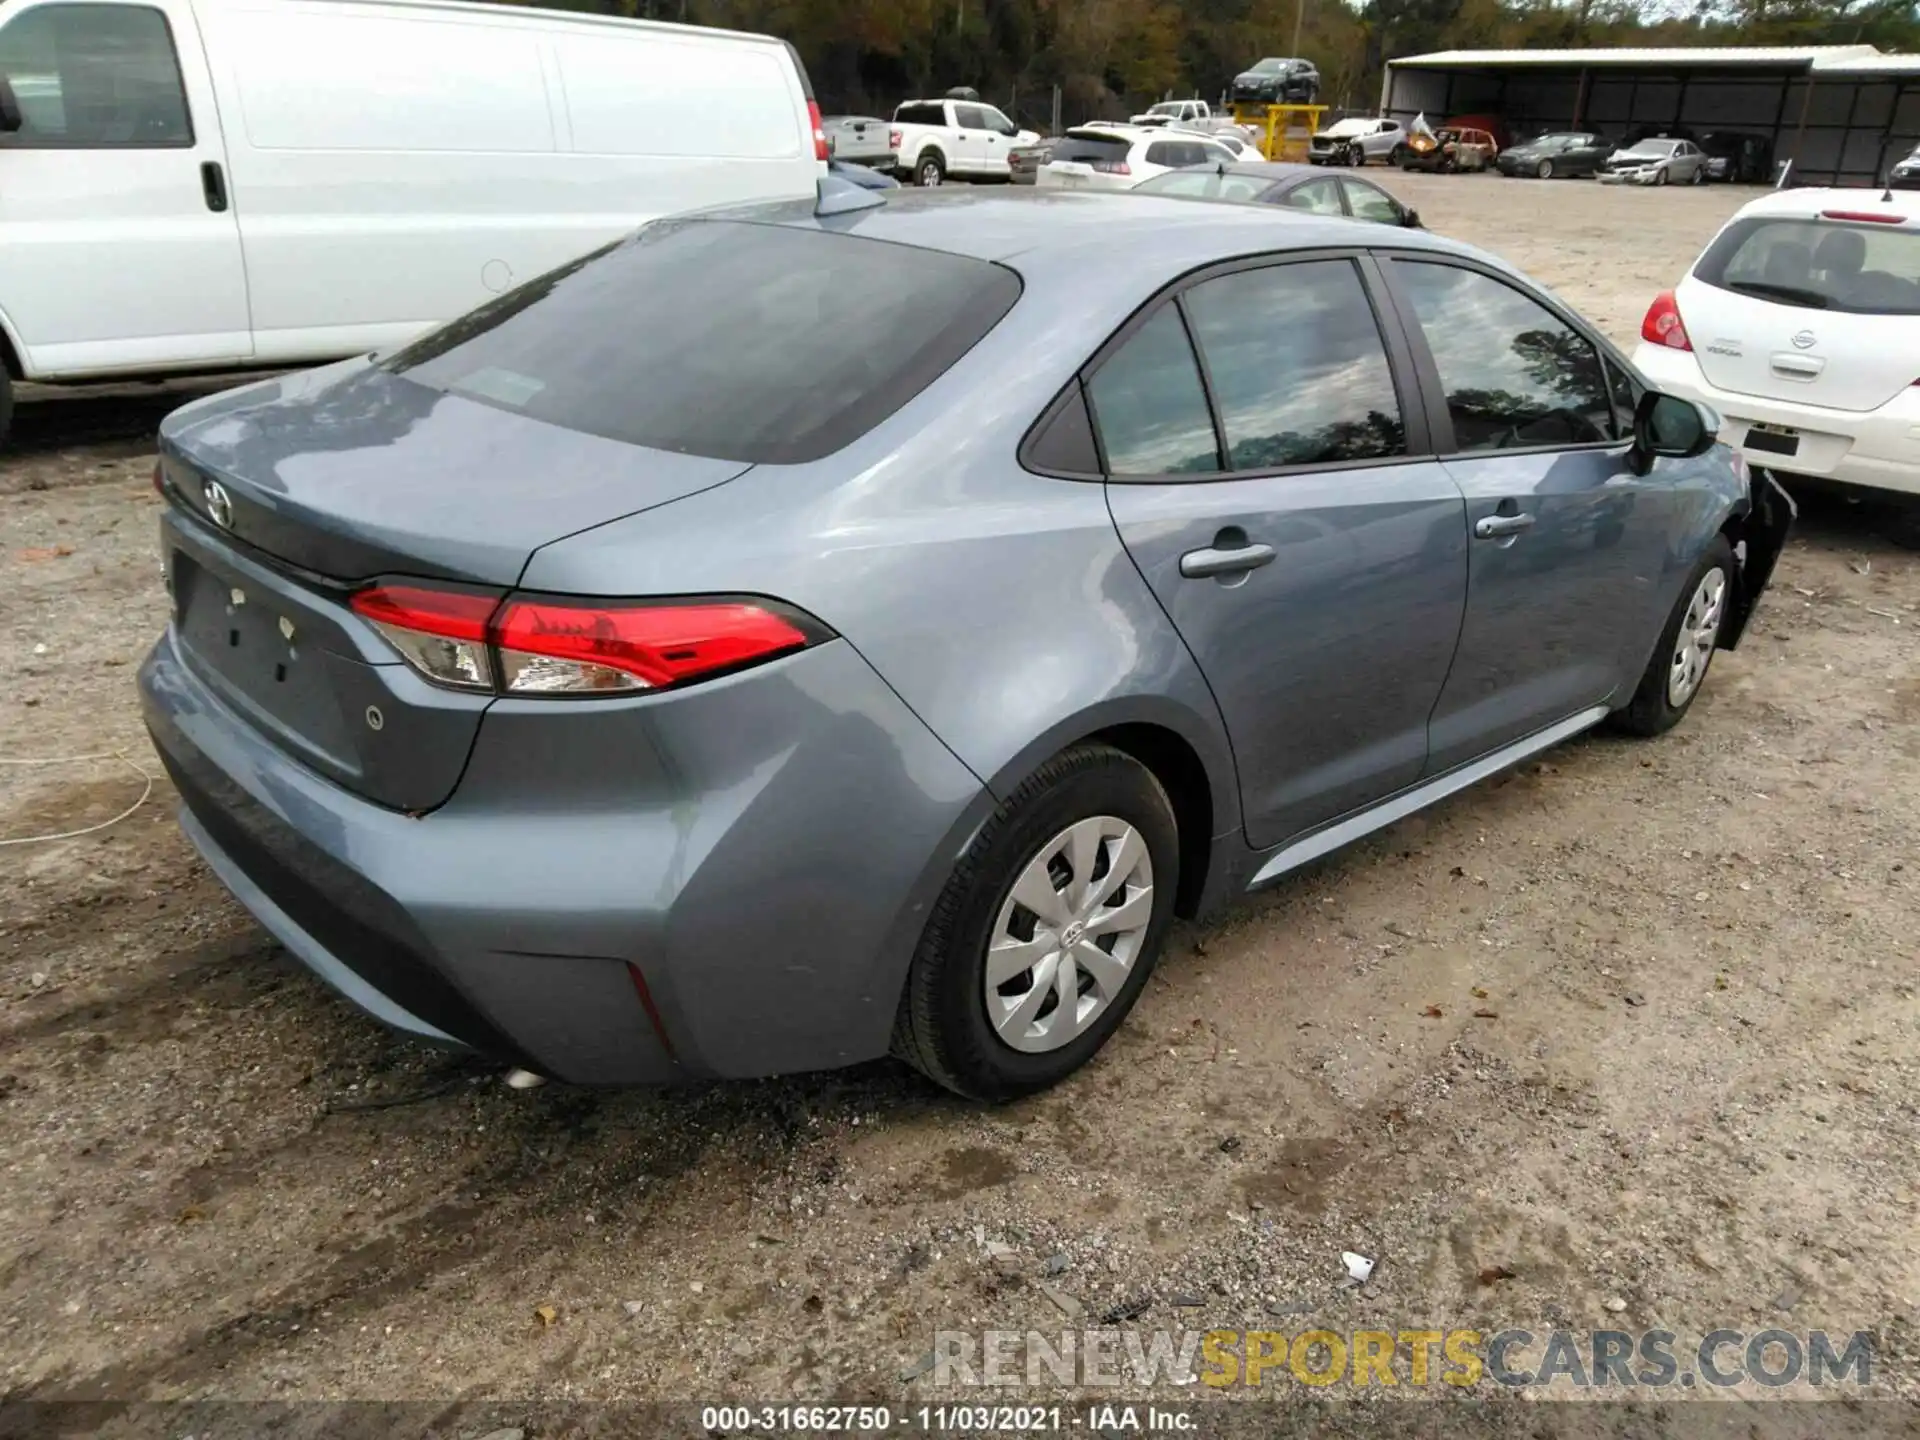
(535, 646)
(561, 648)
(441, 633)
(1663, 325)
(1112, 167)
(893, 139)
(820, 148)
(1868, 216)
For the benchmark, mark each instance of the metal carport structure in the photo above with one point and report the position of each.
(1841, 113)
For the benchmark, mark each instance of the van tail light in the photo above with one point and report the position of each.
(537, 645)
(821, 151)
(1111, 167)
(1663, 325)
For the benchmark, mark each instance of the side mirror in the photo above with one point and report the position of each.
(1666, 427)
(1410, 219)
(10, 117)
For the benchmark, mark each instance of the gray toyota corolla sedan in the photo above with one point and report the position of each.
(799, 633)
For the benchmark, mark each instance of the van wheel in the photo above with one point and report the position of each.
(1047, 931)
(931, 169)
(1679, 665)
(6, 405)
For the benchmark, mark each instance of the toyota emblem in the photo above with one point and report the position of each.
(1804, 340)
(219, 503)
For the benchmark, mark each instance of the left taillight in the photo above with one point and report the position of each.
(821, 151)
(558, 646)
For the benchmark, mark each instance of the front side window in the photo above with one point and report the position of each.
(1150, 407)
(1369, 203)
(94, 77)
(970, 117)
(1299, 371)
(1319, 197)
(1515, 375)
(994, 120)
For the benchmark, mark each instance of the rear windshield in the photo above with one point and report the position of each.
(759, 343)
(1818, 265)
(1093, 147)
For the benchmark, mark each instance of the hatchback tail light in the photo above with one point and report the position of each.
(1111, 167)
(537, 645)
(821, 150)
(1663, 325)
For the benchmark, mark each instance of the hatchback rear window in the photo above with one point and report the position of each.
(1818, 264)
(738, 341)
(1088, 148)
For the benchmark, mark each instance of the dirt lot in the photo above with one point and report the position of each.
(1629, 1037)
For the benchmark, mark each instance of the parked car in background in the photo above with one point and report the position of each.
(1656, 162)
(649, 771)
(1175, 112)
(1104, 157)
(1905, 174)
(1278, 81)
(1355, 141)
(862, 140)
(1449, 150)
(1562, 154)
(867, 177)
(1800, 324)
(965, 139)
(202, 185)
(1737, 157)
(1635, 134)
(1024, 161)
(1298, 187)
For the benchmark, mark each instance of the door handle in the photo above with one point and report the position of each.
(1492, 527)
(1199, 564)
(213, 184)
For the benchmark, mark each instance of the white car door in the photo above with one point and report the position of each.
(984, 149)
(118, 243)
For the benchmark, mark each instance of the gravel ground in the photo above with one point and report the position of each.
(1624, 1038)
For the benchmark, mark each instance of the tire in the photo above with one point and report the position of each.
(1700, 175)
(1544, 169)
(943, 1027)
(930, 169)
(6, 405)
(1653, 709)
(1660, 177)
(1397, 157)
(1356, 156)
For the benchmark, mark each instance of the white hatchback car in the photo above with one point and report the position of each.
(1800, 324)
(1119, 157)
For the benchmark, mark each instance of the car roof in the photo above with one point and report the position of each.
(1141, 240)
(1809, 202)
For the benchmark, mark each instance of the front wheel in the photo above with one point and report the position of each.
(1679, 665)
(1047, 931)
(1659, 177)
(930, 170)
(1356, 156)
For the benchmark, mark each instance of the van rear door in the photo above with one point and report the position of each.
(118, 243)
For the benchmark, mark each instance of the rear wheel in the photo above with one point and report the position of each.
(1679, 665)
(1544, 169)
(930, 170)
(1047, 931)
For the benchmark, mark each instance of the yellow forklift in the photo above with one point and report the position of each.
(1281, 132)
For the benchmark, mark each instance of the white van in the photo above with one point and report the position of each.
(217, 184)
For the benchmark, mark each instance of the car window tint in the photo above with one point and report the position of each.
(1149, 405)
(1371, 203)
(1299, 370)
(996, 121)
(1165, 152)
(94, 77)
(1803, 263)
(920, 115)
(673, 339)
(970, 117)
(1322, 197)
(1514, 375)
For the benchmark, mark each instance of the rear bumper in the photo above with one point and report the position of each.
(1876, 449)
(725, 883)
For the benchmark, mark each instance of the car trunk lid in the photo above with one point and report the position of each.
(288, 497)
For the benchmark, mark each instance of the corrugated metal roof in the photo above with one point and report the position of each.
(1866, 66)
(1787, 57)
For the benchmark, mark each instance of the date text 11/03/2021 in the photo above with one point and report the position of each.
(960, 1419)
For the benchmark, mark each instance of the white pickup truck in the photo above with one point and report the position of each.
(1195, 113)
(966, 139)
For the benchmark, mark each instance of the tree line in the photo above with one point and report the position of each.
(1111, 56)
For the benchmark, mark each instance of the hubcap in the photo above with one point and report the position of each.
(1693, 646)
(1068, 934)
(929, 174)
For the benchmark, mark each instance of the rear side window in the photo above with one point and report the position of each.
(675, 339)
(1515, 376)
(94, 77)
(1150, 407)
(920, 115)
(1818, 264)
(1299, 370)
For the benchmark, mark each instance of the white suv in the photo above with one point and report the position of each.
(1117, 157)
(1800, 324)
